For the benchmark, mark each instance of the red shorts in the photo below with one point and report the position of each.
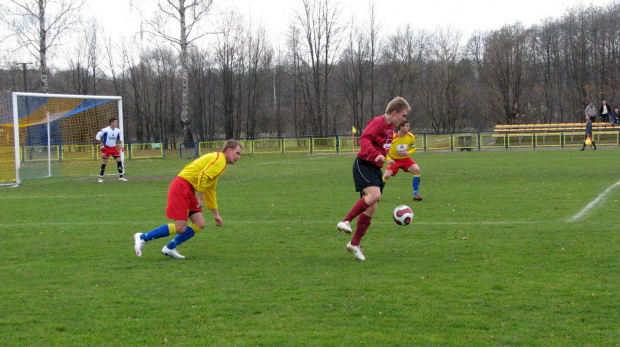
(106, 152)
(403, 164)
(181, 200)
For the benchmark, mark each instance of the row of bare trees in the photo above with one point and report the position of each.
(327, 76)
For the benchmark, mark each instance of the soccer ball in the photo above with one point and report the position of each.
(402, 215)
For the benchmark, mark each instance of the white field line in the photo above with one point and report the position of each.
(286, 161)
(599, 199)
(232, 223)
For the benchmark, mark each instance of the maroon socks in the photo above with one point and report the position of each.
(363, 222)
(359, 208)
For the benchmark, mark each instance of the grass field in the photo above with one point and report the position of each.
(507, 248)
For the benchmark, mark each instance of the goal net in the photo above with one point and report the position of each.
(52, 135)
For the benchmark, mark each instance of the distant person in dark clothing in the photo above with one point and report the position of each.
(615, 117)
(605, 112)
(589, 140)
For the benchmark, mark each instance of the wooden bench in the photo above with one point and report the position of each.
(552, 127)
(553, 134)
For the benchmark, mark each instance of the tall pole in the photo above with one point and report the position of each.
(24, 69)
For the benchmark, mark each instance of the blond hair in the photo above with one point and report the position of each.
(231, 144)
(397, 104)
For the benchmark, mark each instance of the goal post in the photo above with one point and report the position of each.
(52, 135)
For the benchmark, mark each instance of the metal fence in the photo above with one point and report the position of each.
(85, 152)
(329, 144)
(425, 142)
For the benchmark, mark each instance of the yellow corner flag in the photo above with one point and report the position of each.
(354, 130)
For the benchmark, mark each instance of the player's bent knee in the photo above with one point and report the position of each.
(198, 226)
(372, 199)
(180, 225)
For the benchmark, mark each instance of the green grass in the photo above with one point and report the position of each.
(492, 257)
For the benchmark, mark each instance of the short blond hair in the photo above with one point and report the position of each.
(397, 104)
(231, 144)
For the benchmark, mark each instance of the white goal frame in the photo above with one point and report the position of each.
(16, 135)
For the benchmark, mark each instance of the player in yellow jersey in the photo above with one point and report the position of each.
(199, 176)
(403, 146)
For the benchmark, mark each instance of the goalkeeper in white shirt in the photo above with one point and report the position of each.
(107, 139)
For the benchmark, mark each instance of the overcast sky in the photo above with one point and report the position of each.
(120, 18)
(466, 16)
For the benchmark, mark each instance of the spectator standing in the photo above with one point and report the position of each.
(591, 110)
(605, 112)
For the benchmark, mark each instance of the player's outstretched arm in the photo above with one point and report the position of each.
(216, 216)
(200, 198)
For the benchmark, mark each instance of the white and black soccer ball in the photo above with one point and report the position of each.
(403, 215)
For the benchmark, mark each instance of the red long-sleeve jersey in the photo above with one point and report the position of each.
(375, 140)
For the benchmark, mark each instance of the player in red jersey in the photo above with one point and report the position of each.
(374, 142)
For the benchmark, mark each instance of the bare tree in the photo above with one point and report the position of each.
(259, 61)
(187, 14)
(613, 49)
(39, 25)
(355, 74)
(126, 76)
(475, 50)
(278, 82)
(442, 85)
(318, 24)
(375, 46)
(228, 53)
(84, 62)
(403, 58)
(295, 70)
(357, 67)
(201, 100)
(506, 72)
(577, 63)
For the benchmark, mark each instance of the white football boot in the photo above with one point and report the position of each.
(171, 253)
(138, 244)
(356, 250)
(344, 227)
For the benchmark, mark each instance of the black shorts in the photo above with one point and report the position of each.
(366, 174)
